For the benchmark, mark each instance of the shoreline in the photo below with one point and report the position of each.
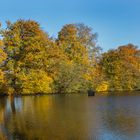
(128, 92)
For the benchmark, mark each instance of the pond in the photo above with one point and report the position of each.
(70, 117)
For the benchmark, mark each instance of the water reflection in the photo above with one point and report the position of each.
(120, 119)
(2, 110)
(70, 117)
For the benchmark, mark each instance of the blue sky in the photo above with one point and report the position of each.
(117, 22)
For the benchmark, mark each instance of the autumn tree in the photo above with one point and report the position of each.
(121, 67)
(88, 39)
(3, 57)
(68, 40)
(25, 44)
(77, 41)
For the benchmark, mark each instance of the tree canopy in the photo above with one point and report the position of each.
(31, 62)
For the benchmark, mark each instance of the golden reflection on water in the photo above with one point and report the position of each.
(41, 118)
(73, 117)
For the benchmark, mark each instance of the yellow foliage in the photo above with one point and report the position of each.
(36, 82)
(102, 87)
(1, 76)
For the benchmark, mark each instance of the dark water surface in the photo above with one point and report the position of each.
(70, 117)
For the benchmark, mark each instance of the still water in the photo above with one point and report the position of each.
(70, 117)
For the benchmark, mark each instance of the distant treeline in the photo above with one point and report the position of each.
(32, 62)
